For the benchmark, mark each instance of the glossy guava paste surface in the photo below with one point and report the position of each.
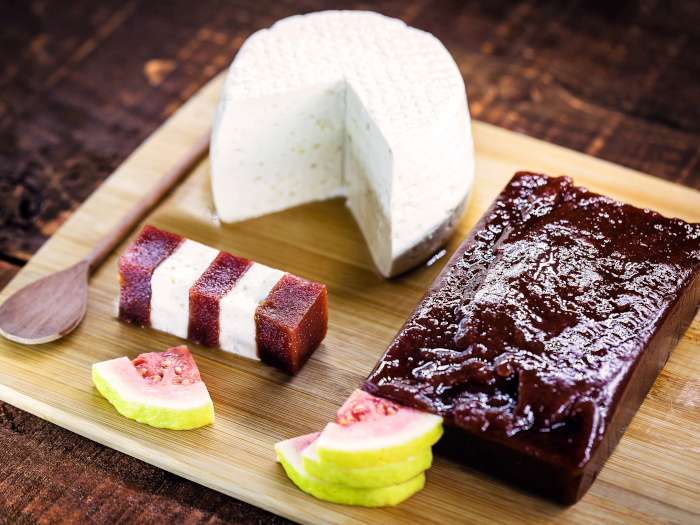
(536, 326)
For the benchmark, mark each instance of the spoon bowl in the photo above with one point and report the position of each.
(47, 309)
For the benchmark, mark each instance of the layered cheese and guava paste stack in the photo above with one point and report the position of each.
(196, 292)
(353, 104)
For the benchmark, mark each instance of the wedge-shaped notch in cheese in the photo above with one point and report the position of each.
(193, 291)
(353, 104)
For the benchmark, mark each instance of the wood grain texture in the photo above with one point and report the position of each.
(83, 83)
(650, 476)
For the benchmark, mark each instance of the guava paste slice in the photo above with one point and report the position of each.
(291, 322)
(136, 266)
(205, 297)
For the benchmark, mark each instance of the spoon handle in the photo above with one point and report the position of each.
(136, 214)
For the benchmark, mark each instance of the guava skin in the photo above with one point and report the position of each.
(367, 477)
(289, 454)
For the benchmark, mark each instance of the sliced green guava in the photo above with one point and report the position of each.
(368, 477)
(163, 390)
(371, 432)
(289, 453)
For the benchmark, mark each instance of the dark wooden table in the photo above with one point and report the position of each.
(83, 83)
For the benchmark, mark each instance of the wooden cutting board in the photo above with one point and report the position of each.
(654, 475)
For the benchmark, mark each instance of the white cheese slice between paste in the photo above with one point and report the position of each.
(237, 310)
(171, 283)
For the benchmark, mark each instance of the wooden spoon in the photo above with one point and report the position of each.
(53, 306)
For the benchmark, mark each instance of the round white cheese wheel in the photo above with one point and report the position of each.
(353, 104)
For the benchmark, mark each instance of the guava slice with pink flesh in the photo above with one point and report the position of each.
(371, 431)
(161, 389)
(289, 453)
(368, 477)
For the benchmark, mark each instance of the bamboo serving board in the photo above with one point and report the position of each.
(653, 476)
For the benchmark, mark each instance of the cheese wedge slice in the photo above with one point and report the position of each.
(352, 104)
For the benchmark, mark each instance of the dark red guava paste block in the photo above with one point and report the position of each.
(205, 297)
(544, 332)
(291, 322)
(136, 266)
